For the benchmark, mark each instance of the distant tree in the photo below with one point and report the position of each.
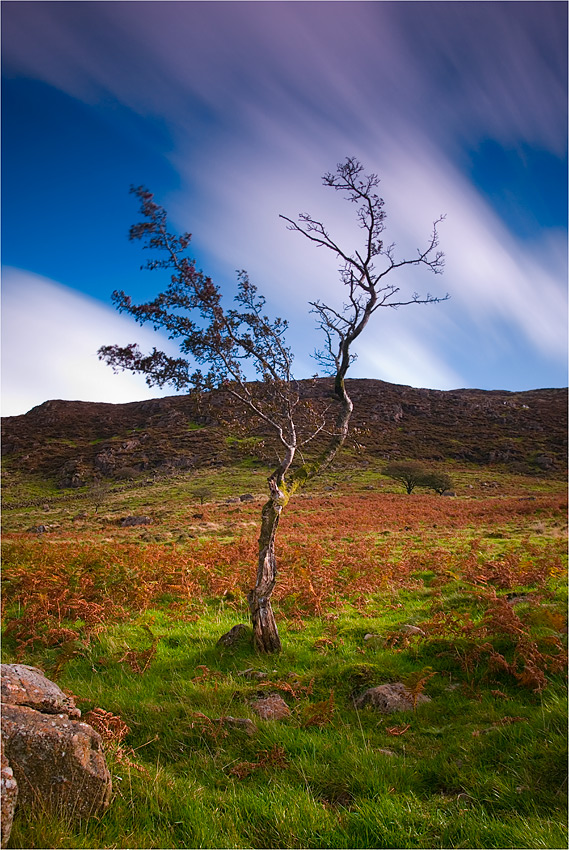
(437, 481)
(99, 492)
(202, 493)
(226, 341)
(411, 475)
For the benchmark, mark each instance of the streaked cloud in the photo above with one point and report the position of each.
(50, 337)
(261, 98)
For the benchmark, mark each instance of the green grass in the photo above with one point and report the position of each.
(457, 777)
(482, 765)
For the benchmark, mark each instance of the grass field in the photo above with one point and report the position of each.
(127, 620)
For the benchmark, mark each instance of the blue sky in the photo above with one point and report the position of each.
(231, 113)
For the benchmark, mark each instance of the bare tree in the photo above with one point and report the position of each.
(228, 341)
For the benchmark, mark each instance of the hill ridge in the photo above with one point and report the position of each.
(73, 442)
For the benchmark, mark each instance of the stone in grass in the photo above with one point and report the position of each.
(8, 797)
(130, 521)
(271, 707)
(241, 723)
(251, 673)
(236, 635)
(413, 630)
(38, 529)
(25, 685)
(389, 698)
(56, 760)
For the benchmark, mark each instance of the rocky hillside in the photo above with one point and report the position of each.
(72, 442)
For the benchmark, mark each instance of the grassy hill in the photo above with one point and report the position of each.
(462, 600)
(66, 445)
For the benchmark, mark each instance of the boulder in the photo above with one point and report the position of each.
(233, 636)
(8, 797)
(272, 707)
(389, 698)
(56, 760)
(72, 475)
(24, 685)
(130, 521)
(246, 497)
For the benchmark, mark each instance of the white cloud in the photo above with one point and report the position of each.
(492, 275)
(416, 82)
(50, 337)
(508, 298)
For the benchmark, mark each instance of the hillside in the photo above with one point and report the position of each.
(72, 442)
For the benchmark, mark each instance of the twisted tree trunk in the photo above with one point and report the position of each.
(265, 632)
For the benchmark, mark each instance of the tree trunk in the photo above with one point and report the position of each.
(265, 632)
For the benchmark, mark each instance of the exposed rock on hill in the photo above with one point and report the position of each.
(75, 442)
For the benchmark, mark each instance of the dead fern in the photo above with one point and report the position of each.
(274, 758)
(397, 731)
(415, 683)
(110, 727)
(318, 713)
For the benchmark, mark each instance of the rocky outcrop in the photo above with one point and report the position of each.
(131, 521)
(56, 760)
(72, 474)
(73, 442)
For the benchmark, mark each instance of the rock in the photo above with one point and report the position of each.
(272, 707)
(242, 723)
(129, 521)
(413, 630)
(72, 475)
(250, 673)
(38, 529)
(24, 685)
(56, 760)
(448, 493)
(516, 598)
(389, 698)
(246, 497)
(234, 635)
(8, 797)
